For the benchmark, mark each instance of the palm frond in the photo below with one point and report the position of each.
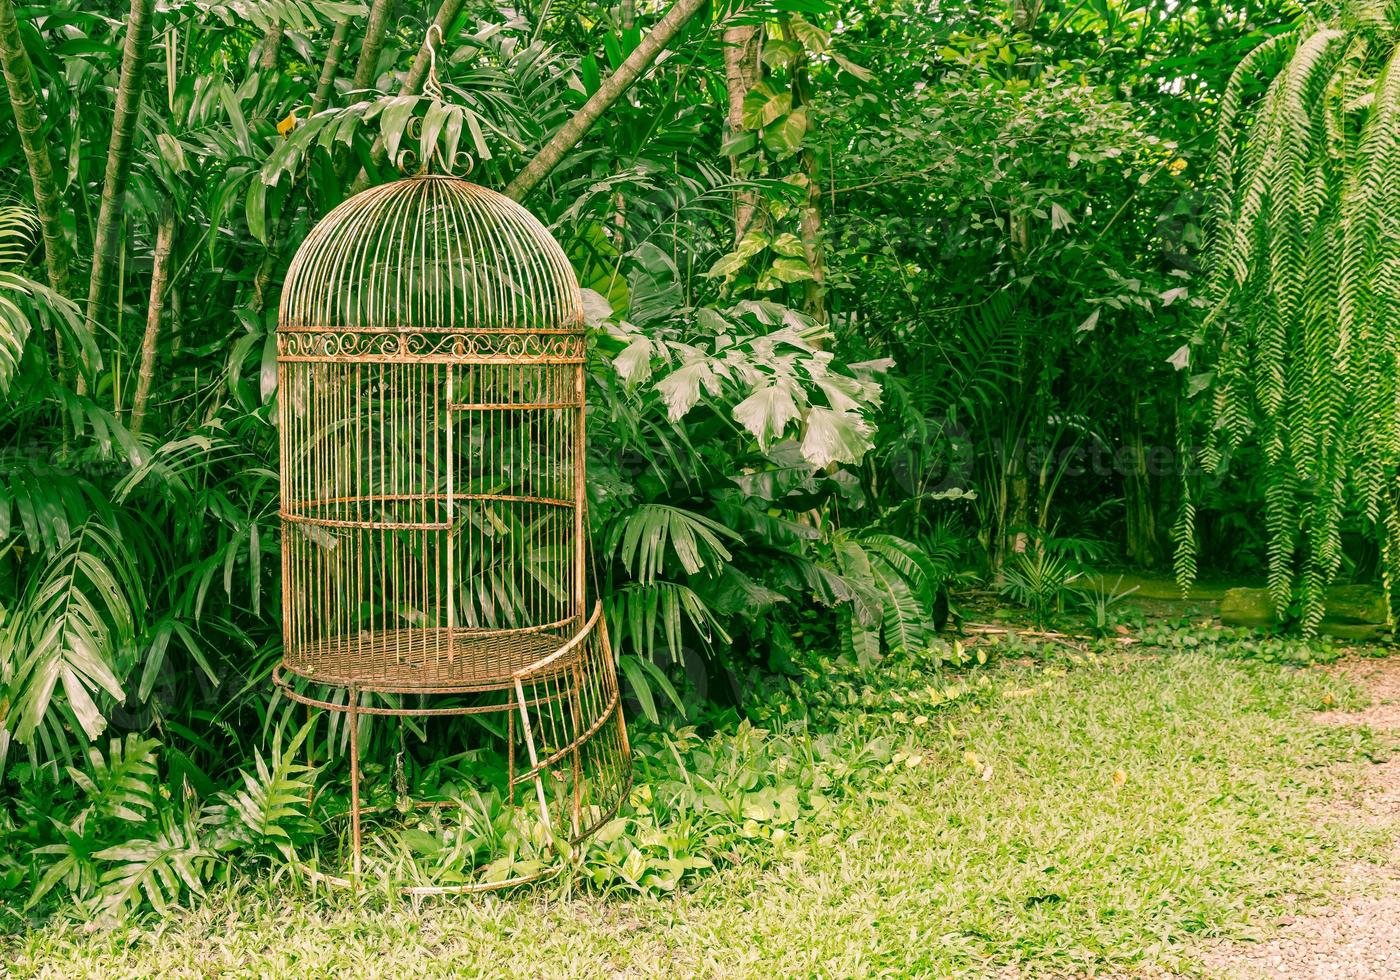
(70, 628)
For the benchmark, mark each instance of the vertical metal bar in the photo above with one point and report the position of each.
(576, 736)
(451, 464)
(534, 755)
(580, 496)
(354, 722)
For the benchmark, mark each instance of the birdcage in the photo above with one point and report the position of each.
(430, 353)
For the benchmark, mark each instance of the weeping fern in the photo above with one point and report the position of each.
(1301, 342)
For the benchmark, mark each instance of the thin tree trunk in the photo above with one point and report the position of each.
(810, 228)
(19, 78)
(128, 106)
(609, 92)
(1139, 505)
(326, 83)
(809, 223)
(743, 43)
(1023, 17)
(324, 86)
(270, 48)
(160, 268)
(177, 318)
(375, 29)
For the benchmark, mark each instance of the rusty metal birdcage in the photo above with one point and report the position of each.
(431, 396)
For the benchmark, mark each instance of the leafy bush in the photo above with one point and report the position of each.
(1039, 579)
(121, 838)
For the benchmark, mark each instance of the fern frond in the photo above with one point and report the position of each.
(1307, 263)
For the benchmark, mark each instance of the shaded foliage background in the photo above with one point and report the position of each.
(883, 299)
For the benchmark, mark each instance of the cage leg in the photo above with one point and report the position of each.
(310, 763)
(354, 721)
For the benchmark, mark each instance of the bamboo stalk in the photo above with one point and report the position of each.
(165, 235)
(375, 29)
(119, 152)
(19, 78)
(330, 66)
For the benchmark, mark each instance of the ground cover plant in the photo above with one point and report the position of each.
(1065, 811)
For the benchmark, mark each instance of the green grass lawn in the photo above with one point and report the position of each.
(1106, 815)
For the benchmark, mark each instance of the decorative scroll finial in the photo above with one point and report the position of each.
(432, 88)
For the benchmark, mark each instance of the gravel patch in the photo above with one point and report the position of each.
(1357, 937)
(1382, 679)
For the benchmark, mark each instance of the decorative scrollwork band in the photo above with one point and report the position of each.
(418, 345)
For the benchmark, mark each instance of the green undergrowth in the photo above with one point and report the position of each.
(1246, 644)
(1061, 811)
(124, 836)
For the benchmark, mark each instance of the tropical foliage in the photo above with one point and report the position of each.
(887, 307)
(1300, 348)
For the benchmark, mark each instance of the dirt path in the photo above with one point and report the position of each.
(1359, 937)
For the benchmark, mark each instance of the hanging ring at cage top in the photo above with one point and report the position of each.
(431, 87)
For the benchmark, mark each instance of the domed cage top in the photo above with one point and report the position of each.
(431, 405)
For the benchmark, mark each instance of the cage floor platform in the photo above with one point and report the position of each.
(425, 660)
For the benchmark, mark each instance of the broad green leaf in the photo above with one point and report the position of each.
(767, 411)
(835, 437)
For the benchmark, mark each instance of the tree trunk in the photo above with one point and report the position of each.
(814, 291)
(270, 48)
(1023, 17)
(160, 267)
(1139, 505)
(810, 217)
(1017, 541)
(743, 44)
(19, 78)
(177, 316)
(128, 106)
(326, 83)
(609, 92)
(375, 29)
